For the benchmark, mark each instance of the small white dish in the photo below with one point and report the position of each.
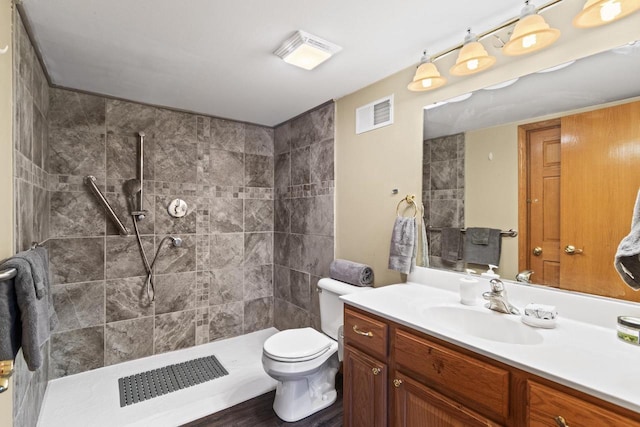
(538, 323)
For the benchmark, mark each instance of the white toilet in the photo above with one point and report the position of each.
(305, 361)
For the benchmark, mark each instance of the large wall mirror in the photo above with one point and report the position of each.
(477, 170)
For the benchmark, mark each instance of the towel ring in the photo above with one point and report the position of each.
(411, 200)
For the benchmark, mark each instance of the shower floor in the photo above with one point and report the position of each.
(92, 398)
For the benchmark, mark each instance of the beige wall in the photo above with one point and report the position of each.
(491, 187)
(6, 166)
(370, 165)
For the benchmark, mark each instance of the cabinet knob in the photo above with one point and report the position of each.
(397, 383)
(375, 371)
(561, 421)
(363, 333)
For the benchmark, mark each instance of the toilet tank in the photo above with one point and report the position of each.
(331, 306)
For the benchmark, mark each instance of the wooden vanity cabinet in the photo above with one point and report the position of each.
(365, 370)
(396, 376)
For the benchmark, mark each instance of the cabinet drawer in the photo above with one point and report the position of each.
(546, 404)
(481, 386)
(367, 334)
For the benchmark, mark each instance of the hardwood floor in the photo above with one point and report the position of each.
(258, 412)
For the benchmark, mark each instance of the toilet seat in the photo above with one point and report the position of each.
(297, 345)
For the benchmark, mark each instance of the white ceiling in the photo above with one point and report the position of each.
(215, 56)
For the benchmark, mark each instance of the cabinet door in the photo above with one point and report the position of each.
(365, 390)
(418, 406)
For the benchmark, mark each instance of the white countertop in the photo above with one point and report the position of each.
(582, 352)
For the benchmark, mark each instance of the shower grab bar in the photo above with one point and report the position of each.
(90, 180)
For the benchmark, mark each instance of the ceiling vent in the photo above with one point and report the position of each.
(375, 115)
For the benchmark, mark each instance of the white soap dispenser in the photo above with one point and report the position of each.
(490, 274)
(468, 289)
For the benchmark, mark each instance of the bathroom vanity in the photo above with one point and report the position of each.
(415, 357)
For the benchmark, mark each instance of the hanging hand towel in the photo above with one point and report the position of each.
(450, 239)
(424, 244)
(37, 317)
(37, 258)
(487, 253)
(351, 272)
(402, 255)
(627, 260)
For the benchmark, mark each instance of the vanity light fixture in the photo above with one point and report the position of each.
(472, 58)
(305, 50)
(530, 34)
(427, 76)
(601, 12)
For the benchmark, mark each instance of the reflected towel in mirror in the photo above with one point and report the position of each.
(627, 260)
(488, 253)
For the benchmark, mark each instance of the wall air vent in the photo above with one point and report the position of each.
(374, 115)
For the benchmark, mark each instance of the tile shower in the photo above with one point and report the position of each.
(257, 236)
(304, 215)
(218, 284)
(443, 190)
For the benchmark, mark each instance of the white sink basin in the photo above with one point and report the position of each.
(488, 325)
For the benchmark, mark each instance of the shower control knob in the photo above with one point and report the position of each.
(177, 208)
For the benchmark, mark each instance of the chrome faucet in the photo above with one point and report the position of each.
(497, 298)
(524, 276)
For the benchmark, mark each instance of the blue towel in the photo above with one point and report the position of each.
(37, 317)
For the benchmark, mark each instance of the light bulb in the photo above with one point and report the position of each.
(610, 10)
(528, 41)
(426, 83)
(472, 64)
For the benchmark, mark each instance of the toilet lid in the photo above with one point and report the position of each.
(296, 345)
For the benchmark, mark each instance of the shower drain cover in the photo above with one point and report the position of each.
(147, 385)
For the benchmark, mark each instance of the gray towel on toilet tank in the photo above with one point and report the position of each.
(37, 317)
(488, 253)
(627, 259)
(351, 272)
(403, 251)
(450, 244)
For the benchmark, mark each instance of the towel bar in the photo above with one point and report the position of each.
(7, 274)
(508, 233)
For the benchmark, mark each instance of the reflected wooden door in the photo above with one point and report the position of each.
(601, 177)
(542, 238)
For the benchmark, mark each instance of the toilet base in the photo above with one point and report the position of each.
(299, 398)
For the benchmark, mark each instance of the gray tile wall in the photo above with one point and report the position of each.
(31, 105)
(304, 215)
(218, 284)
(443, 191)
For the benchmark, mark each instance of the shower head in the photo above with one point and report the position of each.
(132, 187)
(176, 241)
(142, 134)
